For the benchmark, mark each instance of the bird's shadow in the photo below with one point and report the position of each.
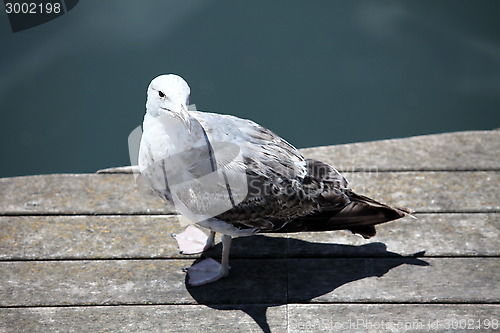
(304, 271)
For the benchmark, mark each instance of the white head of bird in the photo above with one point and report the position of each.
(168, 95)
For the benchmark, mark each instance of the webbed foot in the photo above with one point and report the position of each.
(206, 271)
(193, 240)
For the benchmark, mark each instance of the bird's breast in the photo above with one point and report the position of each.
(170, 150)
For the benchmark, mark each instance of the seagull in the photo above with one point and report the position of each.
(232, 176)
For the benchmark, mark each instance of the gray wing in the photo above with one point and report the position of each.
(282, 185)
(262, 150)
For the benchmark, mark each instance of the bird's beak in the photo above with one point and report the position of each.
(183, 115)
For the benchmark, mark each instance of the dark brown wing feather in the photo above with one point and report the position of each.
(341, 208)
(323, 202)
(360, 216)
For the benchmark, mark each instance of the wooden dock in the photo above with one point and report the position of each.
(93, 253)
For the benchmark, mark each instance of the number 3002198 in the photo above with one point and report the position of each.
(32, 8)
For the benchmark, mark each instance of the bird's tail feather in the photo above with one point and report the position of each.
(359, 216)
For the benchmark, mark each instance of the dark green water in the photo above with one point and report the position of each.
(315, 72)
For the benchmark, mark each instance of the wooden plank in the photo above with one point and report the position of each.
(33, 283)
(264, 281)
(436, 234)
(98, 237)
(132, 319)
(289, 318)
(118, 194)
(393, 318)
(402, 280)
(473, 150)
(93, 237)
(78, 194)
(425, 192)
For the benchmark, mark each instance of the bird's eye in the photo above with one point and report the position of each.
(161, 94)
